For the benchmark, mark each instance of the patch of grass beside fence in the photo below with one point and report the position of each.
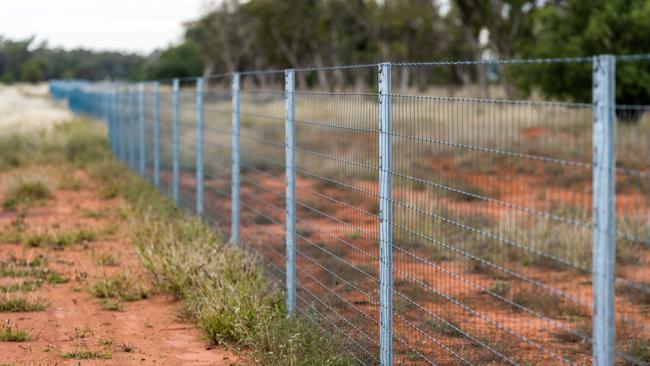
(224, 288)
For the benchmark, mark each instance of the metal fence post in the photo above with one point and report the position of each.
(110, 113)
(234, 197)
(120, 122)
(133, 128)
(290, 153)
(385, 218)
(175, 141)
(142, 135)
(604, 241)
(155, 115)
(199, 146)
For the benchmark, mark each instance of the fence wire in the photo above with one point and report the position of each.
(490, 200)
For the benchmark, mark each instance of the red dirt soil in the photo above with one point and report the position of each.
(145, 332)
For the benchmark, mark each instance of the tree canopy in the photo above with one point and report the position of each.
(277, 34)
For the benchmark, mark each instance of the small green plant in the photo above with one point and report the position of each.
(444, 326)
(9, 333)
(86, 354)
(118, 287)
(93, 214)
(639, 349)
(500, 288)
(108, 259)
(111, 305)
(18, 304)
(69, 183)
(26, 192)
(59, 239)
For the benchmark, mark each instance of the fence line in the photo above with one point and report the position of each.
(418, 229)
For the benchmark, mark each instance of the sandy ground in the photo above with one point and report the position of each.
(27, 106)
(144, 332)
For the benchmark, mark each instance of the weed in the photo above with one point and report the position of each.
(26, 192)
(577, 334)
(12, 334)
(56, 278)
(93, 214)
(500, 288)
(68, 182)
(86, 354)
(444, 326)
(111, 305)
(108, 259)
(638, 350)
(120, 287)
(126, 347)
(19, 304)
(58, 239)
(546, 303)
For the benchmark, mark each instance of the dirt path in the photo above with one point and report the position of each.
(144, 332)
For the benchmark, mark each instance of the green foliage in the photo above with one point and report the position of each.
(32, 71)
(12, 334)
(177, 61)
(86, 354)
(118, 287)
(26, 192)
(18, 304)
(225, 289)
(585, 28)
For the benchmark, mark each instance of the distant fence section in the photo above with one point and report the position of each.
(415, 217)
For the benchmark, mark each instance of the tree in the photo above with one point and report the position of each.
(584, 28)
(31, 71)
(177, 61)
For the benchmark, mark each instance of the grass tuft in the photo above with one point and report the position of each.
(19, 304)
(118, 287)
(86, 354)
(12, 334)
(25, 192)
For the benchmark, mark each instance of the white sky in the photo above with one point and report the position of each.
(124, 25)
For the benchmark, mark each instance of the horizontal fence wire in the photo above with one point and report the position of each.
(491, 200)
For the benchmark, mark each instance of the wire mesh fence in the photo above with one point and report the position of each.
(418, 215)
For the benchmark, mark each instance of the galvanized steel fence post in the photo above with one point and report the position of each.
(175, 140)
(118, 122)
(113, 119)
(385, 218)
(290, 153)
(234, 199)
(133, 127)
(199, 146)
(143, 129)
(604, 240)
(155, 116)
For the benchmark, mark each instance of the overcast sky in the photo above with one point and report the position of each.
(126, 25)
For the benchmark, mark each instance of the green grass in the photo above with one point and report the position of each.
(224, 288)
(118, 287)
(12, 334)
(59, 238)
(24, 192)
(86, 354)
(111, 305)
(108, 259)
(445, 327)
(19, 304)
